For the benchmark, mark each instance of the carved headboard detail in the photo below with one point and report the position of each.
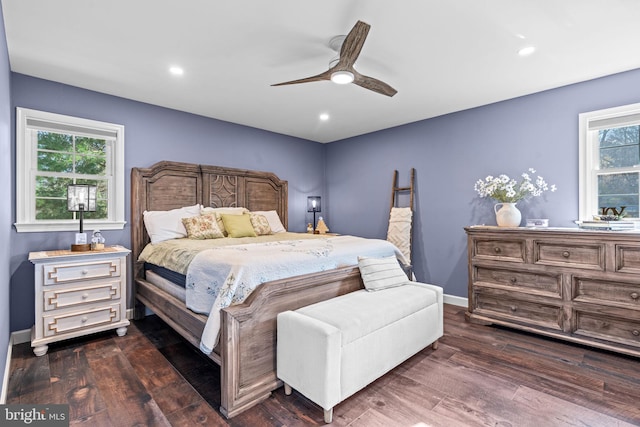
(170, 185)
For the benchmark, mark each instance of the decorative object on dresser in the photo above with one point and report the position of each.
(78, 293)
(322, 228)
(577, 285)
(507, 192)
(81, 198)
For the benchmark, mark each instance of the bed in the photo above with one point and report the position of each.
(246, 348)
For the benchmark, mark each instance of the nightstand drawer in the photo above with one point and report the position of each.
(588, 256)
(55, 274)
(62, 298)
(61, 323)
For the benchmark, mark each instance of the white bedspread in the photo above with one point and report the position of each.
(220, 277)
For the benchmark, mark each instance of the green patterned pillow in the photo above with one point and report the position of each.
(260, 224)
(202, 227)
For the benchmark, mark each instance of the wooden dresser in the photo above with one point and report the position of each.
(577, 285)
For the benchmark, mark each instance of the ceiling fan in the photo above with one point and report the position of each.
(343, 72)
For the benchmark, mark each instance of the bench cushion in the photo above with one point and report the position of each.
(360, 313)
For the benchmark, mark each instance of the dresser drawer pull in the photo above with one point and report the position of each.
(497, 250)
(514, 308)
(514, 280)
(634, 295)
(85, 272)
(84, 319)
(635, 332)
(85, 295)
(566, 254)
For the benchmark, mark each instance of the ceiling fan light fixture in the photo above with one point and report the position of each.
(342, 77)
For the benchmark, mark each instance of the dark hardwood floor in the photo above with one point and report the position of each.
(479, 376)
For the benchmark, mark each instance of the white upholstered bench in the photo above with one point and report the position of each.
(330, 350)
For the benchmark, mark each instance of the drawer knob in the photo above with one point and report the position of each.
(85, 295)
(85, 272)
(497, 250)
(634, 295)
(84, 319)
(514, 308)
(566, 254)
(514, 280)
(635, 332)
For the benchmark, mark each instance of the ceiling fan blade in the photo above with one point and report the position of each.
(352, 44)
(322, 76)
(374, 85)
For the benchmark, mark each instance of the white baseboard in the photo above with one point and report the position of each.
(7, 372)
(454, 300)
(22, 336)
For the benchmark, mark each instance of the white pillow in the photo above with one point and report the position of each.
(381, 273)
(273, 219)
(165, 225)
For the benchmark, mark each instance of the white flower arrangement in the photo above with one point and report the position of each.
(507, 190)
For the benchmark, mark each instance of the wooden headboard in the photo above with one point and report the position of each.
(170, 185)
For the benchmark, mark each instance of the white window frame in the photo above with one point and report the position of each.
(26, 167)
(589, 125)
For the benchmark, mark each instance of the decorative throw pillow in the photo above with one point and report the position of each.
(220, 211)
(238, 225)
(260, 224)
(381, 273)
(165, 225)
(274, 220)
(202, 227)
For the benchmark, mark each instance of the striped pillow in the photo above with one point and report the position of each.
(381, 273)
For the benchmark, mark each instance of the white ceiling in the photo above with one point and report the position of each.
(441, 56)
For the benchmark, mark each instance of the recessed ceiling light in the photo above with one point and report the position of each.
(324, 117)
(525, 51)
(176, 71)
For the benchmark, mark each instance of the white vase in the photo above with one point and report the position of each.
(508, 215)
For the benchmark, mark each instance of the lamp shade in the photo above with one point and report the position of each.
(81, 197)
(314, 204)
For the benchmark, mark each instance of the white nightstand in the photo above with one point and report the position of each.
(78, 293)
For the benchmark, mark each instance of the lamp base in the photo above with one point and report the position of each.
(81, 248)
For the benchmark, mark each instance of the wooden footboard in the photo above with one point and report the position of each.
(246, 352)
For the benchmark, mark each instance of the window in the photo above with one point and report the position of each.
(610, 162)
(54, 151)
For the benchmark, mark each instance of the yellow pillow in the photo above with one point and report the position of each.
(238, 225)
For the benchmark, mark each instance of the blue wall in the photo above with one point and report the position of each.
(152, 134)
(6, 185)
(450, 153)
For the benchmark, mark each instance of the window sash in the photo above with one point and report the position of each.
(29, 122)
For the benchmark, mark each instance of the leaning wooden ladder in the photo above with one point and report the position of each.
(401, 218)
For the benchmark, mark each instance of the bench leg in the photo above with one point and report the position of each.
(434, 345)
(287, 389)
(328, 415)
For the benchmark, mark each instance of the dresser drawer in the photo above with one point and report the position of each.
(503, 250)
(595, 291)
(628, 259)
(617, 329)
(550, 283)
(586, 256)
(60, 323)
(62, 298)
(55, 274)
(521, 311)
